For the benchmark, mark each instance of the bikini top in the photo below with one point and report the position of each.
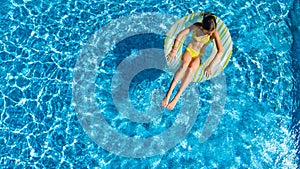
(203, 39)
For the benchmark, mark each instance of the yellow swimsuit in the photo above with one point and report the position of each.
(203, 39)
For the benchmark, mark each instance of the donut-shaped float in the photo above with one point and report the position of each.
(210, 52)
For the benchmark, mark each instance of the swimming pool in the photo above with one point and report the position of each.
(42, 41)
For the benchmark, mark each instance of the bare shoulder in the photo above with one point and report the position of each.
(215, 33)
(195, 26)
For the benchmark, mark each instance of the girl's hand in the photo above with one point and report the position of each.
(207, 71)
(172, 54)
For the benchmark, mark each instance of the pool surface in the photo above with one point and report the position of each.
(57, 57)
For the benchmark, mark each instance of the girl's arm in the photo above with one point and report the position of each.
(216, 36)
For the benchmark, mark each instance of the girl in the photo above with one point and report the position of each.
(203, 33)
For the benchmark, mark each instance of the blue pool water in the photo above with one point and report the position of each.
(42, 41)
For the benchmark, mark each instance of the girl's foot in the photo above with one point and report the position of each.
(172, 104)
(165, 101)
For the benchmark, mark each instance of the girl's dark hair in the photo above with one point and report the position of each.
(209, 22)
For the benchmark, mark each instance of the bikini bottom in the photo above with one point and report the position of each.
(194, 53)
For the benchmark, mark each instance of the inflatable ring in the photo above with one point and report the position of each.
(211, 49)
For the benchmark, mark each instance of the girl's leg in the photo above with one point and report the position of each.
(186, 59)
(193, 66)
